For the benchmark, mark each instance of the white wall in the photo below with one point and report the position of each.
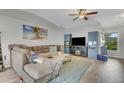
(12, 33)
(120, 52)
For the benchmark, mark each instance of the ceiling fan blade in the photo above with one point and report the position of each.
(86, 18)
(75, 18)
(91, 13)
(73, 14)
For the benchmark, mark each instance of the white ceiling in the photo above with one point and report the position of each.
(106, 17)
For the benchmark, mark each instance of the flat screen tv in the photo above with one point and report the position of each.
(78, 41)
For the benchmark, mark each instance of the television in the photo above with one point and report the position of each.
(78, 41)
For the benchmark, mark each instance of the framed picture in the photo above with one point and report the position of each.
(34, 33)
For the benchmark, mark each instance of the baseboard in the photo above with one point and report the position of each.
(117, 57)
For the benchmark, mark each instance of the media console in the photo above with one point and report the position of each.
(79, 50)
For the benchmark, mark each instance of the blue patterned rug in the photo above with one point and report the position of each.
(72, 72)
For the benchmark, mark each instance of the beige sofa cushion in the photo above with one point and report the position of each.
(37, 49)
(44, 54)
(45, 48)
(17, 45)
(38, 70)
(48, 54)
(20, 50)
(40, 49)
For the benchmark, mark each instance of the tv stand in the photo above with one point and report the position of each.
(79, 50)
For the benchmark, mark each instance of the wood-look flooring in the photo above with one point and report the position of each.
(105, 72)
(99, 72)
(8, 76)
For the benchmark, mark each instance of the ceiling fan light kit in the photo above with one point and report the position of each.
(81, 17)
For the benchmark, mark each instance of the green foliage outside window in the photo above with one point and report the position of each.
(111, 41)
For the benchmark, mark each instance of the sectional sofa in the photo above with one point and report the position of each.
(37, 72)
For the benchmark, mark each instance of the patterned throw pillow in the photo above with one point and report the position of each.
(38, 60)
(31, 57)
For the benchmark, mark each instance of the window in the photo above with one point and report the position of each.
(111, 40)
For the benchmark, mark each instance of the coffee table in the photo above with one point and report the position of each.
(57, 64)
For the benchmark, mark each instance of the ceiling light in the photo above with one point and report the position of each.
(81, 16)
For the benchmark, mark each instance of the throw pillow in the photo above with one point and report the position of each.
(31, 56)
(52, 48)
(38, 60)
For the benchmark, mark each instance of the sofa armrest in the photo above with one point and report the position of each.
(18, 59)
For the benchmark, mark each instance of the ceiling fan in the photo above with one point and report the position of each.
(82, 14)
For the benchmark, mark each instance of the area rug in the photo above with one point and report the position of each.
(72, 72)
